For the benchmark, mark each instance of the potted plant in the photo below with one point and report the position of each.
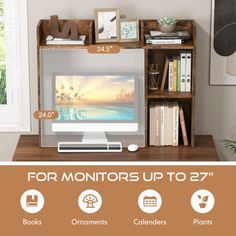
(204, 201)
(231, 145)
(167, 24)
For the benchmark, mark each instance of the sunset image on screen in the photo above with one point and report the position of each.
(95, 97)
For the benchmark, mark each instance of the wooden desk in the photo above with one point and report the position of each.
(28, 150)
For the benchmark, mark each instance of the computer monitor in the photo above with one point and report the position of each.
(95, 104)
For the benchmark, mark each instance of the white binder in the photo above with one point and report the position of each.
(183, 71)
(188, 72)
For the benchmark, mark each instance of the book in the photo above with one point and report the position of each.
(183, 71)
(169, 124)
(164, 76)
(149, 40)
(171, 71)
(183, 127)
(154, 127)
(59, 41)
(175, 125)
(174, 74)
(183, 35)
(178, 75)
(157, 125)
(151, 125)
(166, 124)
(188, 80)
(162, 125)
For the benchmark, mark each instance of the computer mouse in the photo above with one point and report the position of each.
(133, 148)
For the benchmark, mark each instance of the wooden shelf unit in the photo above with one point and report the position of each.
(156, 54)
(153, 54)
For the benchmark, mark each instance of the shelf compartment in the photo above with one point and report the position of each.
(182, 25)
(85, 27)
(187, 108)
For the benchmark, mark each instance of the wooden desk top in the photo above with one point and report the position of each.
(29, 150)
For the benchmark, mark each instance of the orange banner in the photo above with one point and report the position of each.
(117, 200)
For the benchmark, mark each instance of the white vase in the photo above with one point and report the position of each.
(167, 28)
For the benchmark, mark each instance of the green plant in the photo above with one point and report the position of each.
(3, 95)
(203, 199)
(166, 20)
(231, 145)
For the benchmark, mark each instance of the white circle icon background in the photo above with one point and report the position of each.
(90, 201)
(32, 201)
(203, 201)
(149, 201)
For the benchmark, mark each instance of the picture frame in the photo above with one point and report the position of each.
(222, 63)
(129, 30)
(107, 25)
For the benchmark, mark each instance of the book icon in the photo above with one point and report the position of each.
(32, 200)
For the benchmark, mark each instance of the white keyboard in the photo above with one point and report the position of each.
(89, 147)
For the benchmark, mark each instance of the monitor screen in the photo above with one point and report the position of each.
(95, 98)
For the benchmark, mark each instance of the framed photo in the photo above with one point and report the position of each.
(223, 45)
(129, 30)
(107, 25)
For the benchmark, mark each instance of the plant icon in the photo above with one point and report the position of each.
(204, 201)
(90, 200)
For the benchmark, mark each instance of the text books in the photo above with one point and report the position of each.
(178, 71)
(59, 41)
(158, 37)
(166, 121)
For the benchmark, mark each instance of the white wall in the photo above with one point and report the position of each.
(214, 104)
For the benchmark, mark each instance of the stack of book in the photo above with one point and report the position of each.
(60, 41)
(158, 37)
(164, 124)
(179, 71)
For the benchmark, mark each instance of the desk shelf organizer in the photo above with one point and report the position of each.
(76, 60)
(72, 60)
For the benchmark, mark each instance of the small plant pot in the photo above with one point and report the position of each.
(202, 205)
(167, 28)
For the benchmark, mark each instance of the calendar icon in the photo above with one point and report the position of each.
(149, 201)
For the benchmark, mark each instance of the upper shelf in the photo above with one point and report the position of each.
(187, 45)
(87, 27)
(121, 45)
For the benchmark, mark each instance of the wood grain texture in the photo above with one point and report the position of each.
(169, 95)
(28, 150)
(85, 27)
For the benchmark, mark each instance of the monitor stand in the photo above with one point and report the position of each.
(94, 137)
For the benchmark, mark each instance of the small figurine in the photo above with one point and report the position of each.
(69, 30)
